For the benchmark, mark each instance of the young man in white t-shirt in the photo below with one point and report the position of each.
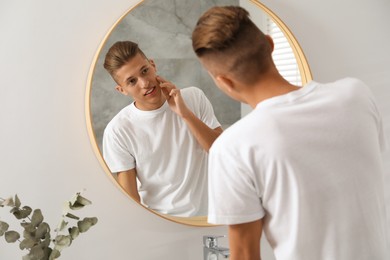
(162, 138)
(304, 166)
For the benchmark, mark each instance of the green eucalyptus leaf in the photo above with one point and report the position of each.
(42, 230)
(76, 205)
(28, 227)
(27, 257)
(61, 226)
(3, 227)
(74, 198)
(8, 202)
(17, 201)
(26, 244)
(36, 218)
(11, 236)
(25, 223)
(27, 211)
(14, 209)
(70, 215)
(30, 234)
(83, 200)
(47, 251)
(21, 213)
(94, 220)
(54, 254)
(79, 202)
(37, 252)
(74, 232)
(86, 223)
(46, 242)
(62, 241)
(17, 212)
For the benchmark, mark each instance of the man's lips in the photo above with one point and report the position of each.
(150, 91)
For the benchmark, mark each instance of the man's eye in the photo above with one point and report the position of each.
(144, 71)
(132, 81)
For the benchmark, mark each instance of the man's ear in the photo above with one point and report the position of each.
(152, 63)
(121, 90)
(226, 83)
(271, 42)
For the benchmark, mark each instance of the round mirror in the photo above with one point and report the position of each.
(163, 31)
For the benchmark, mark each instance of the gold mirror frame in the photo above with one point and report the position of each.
(200, 221)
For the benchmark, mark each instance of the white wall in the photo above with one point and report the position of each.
(46, 49)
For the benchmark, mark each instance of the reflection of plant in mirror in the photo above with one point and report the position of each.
(36, 234)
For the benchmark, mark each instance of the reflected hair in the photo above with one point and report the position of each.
(119, 54)
(226, 35)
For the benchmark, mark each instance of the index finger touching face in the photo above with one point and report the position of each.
(160, 79)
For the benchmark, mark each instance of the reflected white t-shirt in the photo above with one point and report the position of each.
(309, 163)
(171, 165)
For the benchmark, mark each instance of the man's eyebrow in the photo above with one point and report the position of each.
(143, 67)
(129, 78)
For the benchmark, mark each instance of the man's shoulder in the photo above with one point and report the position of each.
(120, 120)
(348, 84)
(352, 89)
(239, 134)
(191, 91)
(193, 96)
(349, 81)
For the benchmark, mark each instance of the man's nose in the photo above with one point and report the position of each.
(144, 83)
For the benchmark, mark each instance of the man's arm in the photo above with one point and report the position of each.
(244, 240)
(128, 181)
(203, 134)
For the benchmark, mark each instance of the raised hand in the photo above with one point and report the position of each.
(173, 96)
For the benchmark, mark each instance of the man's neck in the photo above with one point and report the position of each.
(268, 87)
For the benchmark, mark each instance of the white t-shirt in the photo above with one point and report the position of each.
(171, 165)
(309, 162)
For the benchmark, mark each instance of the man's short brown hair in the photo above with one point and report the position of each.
(228, 36)
(119, 54)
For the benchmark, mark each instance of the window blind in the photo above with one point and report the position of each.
(283, 55)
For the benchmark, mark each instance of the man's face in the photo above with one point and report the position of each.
(137, 78)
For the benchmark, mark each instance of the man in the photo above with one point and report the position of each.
(161, 139)
(304, 166)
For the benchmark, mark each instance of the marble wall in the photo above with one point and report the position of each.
(163, 31)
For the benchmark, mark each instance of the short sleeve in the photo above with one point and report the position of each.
(382, 137)
(116, 153)
(208, 116)
(379, 121)
(202, 107)
(233, 195)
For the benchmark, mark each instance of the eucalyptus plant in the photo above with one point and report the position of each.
(36, 238)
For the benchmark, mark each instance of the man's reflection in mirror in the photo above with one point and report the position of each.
(158, 145)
